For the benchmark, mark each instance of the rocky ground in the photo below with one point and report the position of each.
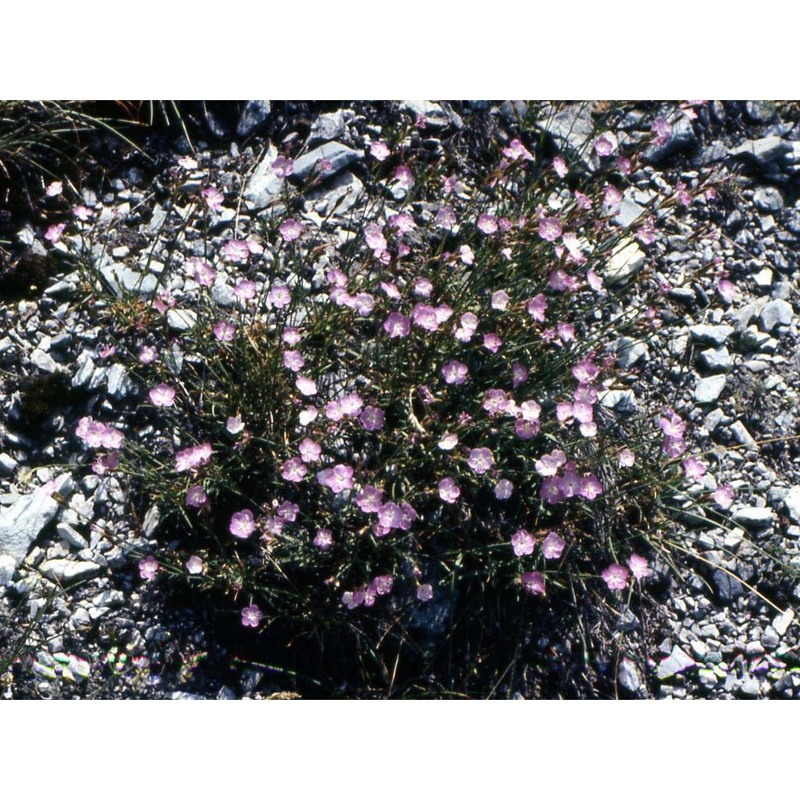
(75, 617)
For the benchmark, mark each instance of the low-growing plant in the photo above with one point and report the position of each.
(400, 433)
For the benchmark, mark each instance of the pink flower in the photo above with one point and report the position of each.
(590, 487)
(82, 213)
(672, 425)
(519, 374)
(245, 289)
(339, 479)
(148, 354)
(503, 489)
(612, 197)
(294, 470)
(194, 566)
(162, 395)
(107, 350)
(487, 223)
(279, 296)
(105, 463)
(616, 577)
(448, 490)
(424, 592)
(370, 499)
(54, 189)
(379, 151)
(445, 217)
(402, 223)
(224, 331)
(306, 386)
(726, 290)
(626, 457)
(583, 201)
(516, 150)
(382, 584)
(549, 464)
(293, 361)
(234, 425)
(533, 583)
(371, 418)
(196, 497)
(192, 457)
(560, 167)
(662, 130)
(694, 469)
(283, 167)
(213, 197)
(674, 446)
(148, 568)
(553, 545)
(397, 325)
(500, 300)
(404, 177)
(455, 372)
(448, 441)
(639, 567)
(723, 496)
(310, 450)
(603, 146)
(324, 539)
(290, 230)
(536, 307)
(242, 524)
(522, 542)
(585, 371)
(492, 342)
(54, 232)
(623, 165)
(480, 460)
(251, 616)
(549, 229)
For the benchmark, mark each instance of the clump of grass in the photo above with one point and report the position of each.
(393, 435)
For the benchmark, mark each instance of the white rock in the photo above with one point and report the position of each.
(625, 261)
(707, 390)
(677, 661)
(792, 503)
(21, 523)
(782, 622)
(7, 567)
(754, 517)
(711, 334)
(181, 320)
(62, 569)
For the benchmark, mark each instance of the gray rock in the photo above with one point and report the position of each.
(339, 155)
(8, 566)
(750, 688)
(222, 294)
(762, 151)
(118, 384)
(337, 196)
(677, 661)
(630, 352)
(754, 517)
(763, 278)
(792, 503)
(7, 464)
(711, 334)
(727, 586)
(770, 638)
(629, 678)
(21, 523)
(762, 111)
(436, 115)
(625, 261)
(621, 400)
(742, 435)
(44, 361)
(572, 129)
(774, 313)
(121, 279)
(263, 187)
(716, 360)
(768, 198)
(782, 621)
(183, 319)
(71, 536)
(253, 116)
(66, 571)
(629, 212)
(330, 126)
(86, 367)
(707, 390)
(682, 137)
